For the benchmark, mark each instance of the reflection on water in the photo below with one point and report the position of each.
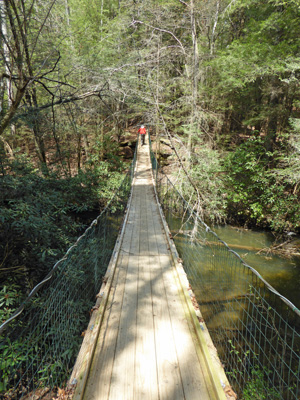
(282, 273)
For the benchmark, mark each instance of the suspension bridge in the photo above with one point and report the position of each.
(146, 337)
(148, 347)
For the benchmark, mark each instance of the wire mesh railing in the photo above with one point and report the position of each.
(40, 342)
(254, 328)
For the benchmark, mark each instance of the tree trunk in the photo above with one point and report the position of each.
(157, 133)
(86, 146)
(7, 147)
(67, 8)
(12, 109)
(78, 151)
(31, 99)
(213, 32)
(194, 80)
(3, 38)
(6, 83)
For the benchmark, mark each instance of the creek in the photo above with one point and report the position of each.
(251, 328)
(281, 272)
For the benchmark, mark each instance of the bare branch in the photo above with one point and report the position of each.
(52, 69)
(229, 6)
(66, 100)
(183, 2)
(41, 28)
(46, 88)
(59, 82)
(134, 22)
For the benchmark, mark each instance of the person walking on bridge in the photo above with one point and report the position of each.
(142, 131)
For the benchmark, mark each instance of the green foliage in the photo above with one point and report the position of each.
(13, 352)
(258, 388)
(104, 169)
(256, 67)
(206, 173)
(259, 188)
(246, 176)
(8, 301)
(35, 226)
(53, 320)
(254, 85)
(40, 217)
(48, 350)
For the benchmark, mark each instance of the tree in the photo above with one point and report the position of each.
(23, 67)
(257, 67)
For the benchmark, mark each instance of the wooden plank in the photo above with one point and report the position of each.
(98, 385)
(169, 379)
(83, 363)
(122, 380)
(215, 378)
(148, 347)
(193, 379)
(146, 387)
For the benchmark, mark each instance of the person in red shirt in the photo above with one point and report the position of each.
(142, 132)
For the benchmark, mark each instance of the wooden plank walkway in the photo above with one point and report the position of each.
(147, 347)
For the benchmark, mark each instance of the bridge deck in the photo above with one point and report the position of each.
(147, 347)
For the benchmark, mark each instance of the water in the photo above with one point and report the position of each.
(282, 273)
(252, 329)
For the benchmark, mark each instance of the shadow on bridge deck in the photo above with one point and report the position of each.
(147, 346)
